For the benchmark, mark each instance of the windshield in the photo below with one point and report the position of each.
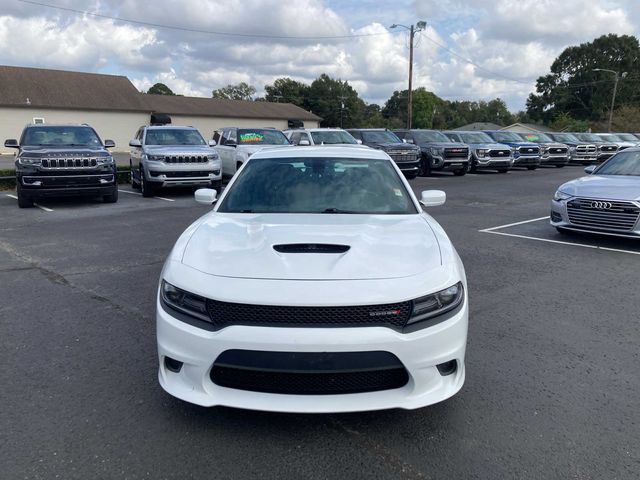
(476, 137)
(174, 136)
(624, 163)
(60, 135)
(588, 137)
(536, 137)
(332, 137)
(424, 136)
(262, 137)
(506, 137)
(318, 185)
(627, 137)
(380, 136)
(564, 137)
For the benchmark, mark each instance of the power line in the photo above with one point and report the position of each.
(195, 30)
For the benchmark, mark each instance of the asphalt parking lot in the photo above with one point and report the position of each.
(552, 362)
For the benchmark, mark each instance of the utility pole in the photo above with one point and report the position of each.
(413, 29)
(615, 91)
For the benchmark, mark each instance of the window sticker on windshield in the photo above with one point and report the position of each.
(251, 137)
(398, 192)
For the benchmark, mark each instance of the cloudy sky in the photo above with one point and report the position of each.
(471, 49)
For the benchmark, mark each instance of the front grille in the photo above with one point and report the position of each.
(585, 149)
(499, 153)
(402, 156)
(74, 162)
(308, 373)
(608, 148)
(557, 151)
(186, 159)
(529, 150)
(456, 153)
(604, 214)
(224, 314)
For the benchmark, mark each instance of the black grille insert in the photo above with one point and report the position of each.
(308, 373)
(311, 248)
(224, 314)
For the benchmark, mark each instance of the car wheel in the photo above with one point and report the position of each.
(112, 197)
(148, 190)
(460, 173)
(425, 167)
(503, 170)
(531, 167)
(411, 175)
(23, 200)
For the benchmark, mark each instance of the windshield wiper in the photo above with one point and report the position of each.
(337, 210)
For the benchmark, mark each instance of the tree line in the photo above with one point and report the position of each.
(575, 95)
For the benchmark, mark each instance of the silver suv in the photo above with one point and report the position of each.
(171, 155)
(320, 136)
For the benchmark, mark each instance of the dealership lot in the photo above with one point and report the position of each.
(552, 359)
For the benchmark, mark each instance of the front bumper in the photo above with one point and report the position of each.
(559, 218)
(36, 186)
(166, 175)
(526, 161)
(492, 162)
(439, 163)
(554, 160)
(419, 352)
(409, 167)
(584, 159)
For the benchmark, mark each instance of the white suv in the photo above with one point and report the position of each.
(316, 284)
(320, 136)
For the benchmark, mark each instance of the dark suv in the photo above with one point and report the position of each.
(438, 151)
(62, 160)
(406, 156)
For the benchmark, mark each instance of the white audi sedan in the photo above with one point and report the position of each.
(316, 284)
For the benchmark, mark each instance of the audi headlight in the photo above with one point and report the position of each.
(34, 161)
(437, 303)
(183, 301)
(559, 196)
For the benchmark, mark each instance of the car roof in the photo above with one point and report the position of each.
(368, 129)
(32, 125)
(321, 151)
(164, 127)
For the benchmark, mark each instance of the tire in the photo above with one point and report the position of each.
(460, 173)
(473, 168)
(531, 167)
(503, 170)
(563, 231)
(111, 197)
(559, 166)
(217, 186)
(411, 176)
(425, 167)
(23, 201)
(148, 189)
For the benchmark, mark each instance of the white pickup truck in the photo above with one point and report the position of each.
(235, 145)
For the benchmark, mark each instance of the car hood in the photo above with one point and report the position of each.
(179, 149)
(381, 246)
(443, 144)
(493, 146)
(251, 149)
(392, 146)
(46, 151)
(614, 187)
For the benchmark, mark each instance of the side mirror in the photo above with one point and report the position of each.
(404, 140)
(304, 142)
(358, 141)
(590, 169)
(433, 198)
(212, 143)
(206, 196)
(109, 144)
(11, 143)
(408, 140)
(135, 143)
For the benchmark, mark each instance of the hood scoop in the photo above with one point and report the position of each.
(310, 248)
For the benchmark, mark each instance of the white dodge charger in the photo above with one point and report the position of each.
(316, 284)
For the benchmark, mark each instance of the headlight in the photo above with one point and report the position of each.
(105, 160)
(30, 161)
(572, 149)
(437, 303)
(212, 158)
(482, 152)
(183, 301)
(155, 158)
(558, 196)
(436, 151)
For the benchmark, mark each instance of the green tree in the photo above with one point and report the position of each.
(241, 91)
(336, 102)
(160, 89)
(424, 107)
(287, 90)
(574, 87)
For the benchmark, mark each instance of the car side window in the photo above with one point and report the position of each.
(217, 136)
(224, 136)
(356, 135)
(295, 138)
(233, 136)
(305, 136)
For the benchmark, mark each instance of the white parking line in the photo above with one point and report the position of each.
(139, 194)
(43, 208)
(494, 231)
(12, 196)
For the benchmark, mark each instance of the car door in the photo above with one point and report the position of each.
(226, 153)
(135, 153)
